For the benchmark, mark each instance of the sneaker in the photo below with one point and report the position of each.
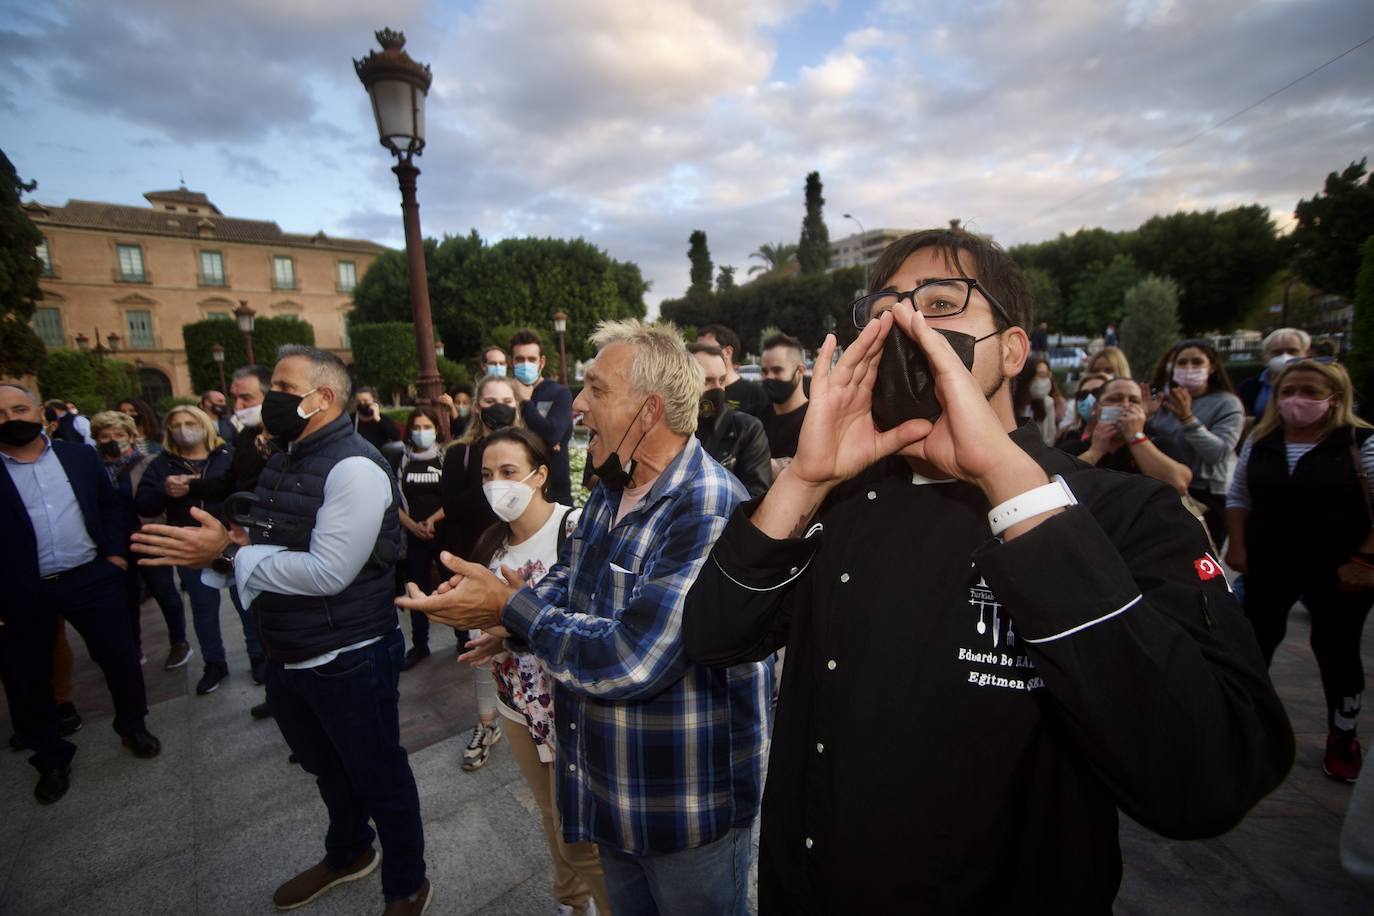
(178, 655)
(1342, 760)
(209, 681)
(258, 664)
(68, 719)
(484, 737)
(415, 655)
(567, 909)
(414, 905)
(261, 711)
(319, 878)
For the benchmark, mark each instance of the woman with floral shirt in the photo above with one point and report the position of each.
(524, 545)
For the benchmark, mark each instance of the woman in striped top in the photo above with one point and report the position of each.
(1301, 526)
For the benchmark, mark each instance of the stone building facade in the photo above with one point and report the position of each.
(140, 273)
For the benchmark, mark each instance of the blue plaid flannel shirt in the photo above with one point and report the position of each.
(655, 754)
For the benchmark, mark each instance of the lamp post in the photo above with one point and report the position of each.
(100, 350)
(244, 316)
(83, 343)
(438, 348)
(855, 220)
(113, 339)
(397, 86)
(560, 326)
(217, 354)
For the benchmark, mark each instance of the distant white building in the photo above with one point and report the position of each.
(863, 248)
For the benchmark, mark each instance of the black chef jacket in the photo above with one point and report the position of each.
(960, 719)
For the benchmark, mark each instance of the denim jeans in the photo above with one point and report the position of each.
(710, 880)
(250, 626)
(341, 721)
(162, 584)
(204, 613)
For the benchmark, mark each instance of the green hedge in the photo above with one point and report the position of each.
(268, 335)
(85, 380)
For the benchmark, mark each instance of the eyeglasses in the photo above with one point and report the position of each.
(935, 299)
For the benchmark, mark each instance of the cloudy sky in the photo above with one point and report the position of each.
(631, 124)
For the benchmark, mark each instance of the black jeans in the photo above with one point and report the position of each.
(1337, 623)
(92, 599)
(418, 567)
(341, 721)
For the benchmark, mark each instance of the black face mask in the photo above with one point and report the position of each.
(111, 449)
(611, 472)
(19, 433)
(712, 406)
(498, 416)
(50, 414)
(779, 391)
(905, 387)
(219, 410)
(281, 415)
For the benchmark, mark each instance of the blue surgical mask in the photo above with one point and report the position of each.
(527, 373)
(496, 371)
(1085, 406)
(423, 438)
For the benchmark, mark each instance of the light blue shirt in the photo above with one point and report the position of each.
(58, 524)
(357, 493)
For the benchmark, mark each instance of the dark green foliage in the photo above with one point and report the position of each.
(699, 254)
(1331, 228)
(798, 305)
(454, 374)
(93, 384)
(474, 287)
(1150, 325)
(813, 246)
(1099, 299)
(725, 278)
(1361, 357)
(774, 255)
(268, 334)
(21, 351)
(384, 356)
(1048, 302)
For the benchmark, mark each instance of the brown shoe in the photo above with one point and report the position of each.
(319, 878)
(413, 905)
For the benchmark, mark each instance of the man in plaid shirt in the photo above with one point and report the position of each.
(660, 760)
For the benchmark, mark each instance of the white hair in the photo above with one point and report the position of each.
(1273, 337)
(661, 365)
(326, 369)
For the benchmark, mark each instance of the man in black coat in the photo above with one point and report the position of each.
(64, 537)
(733, 438)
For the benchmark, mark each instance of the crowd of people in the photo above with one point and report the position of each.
(1043, 558)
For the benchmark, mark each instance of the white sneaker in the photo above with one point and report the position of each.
(484, 737)
(565, 909)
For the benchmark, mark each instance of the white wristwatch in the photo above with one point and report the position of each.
(1053, 495)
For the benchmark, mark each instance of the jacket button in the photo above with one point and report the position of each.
(872, 494)
(793, 571)
(809, 843)
(830, 664)
(844, 577)
(820, 747)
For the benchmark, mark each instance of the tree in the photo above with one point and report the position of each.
(91, 383)
(1044, 292)
(1361, 357)
(21, 350)
(813, 247)
(775, 257)
(1150, 326)
(702, 271)
(725, 278)
(384, 357)
(1331, 228)
(1099, 299)
(269, 333)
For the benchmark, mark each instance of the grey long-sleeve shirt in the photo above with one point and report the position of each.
(1207, 445)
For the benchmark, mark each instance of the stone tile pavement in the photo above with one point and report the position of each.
(220, 818)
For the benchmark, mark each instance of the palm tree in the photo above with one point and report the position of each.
(774, 256)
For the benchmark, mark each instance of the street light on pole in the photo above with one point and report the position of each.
(217, 354)
(397, 86)
(244, 316)
(560, 326)
(856, 222)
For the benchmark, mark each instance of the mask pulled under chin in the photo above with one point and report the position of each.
(905, 387)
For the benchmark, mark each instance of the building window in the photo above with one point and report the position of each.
(131, 263)
(283, 273)
(45, 256)
(211, 268)
(140, 329)
(348, 276)
(47, 323)
(219, 316)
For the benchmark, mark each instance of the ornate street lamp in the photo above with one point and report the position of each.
(114, 339)
(438, 348)
(83, 343)
(397, 86)
(217, 354)
(560, 326)
(244, 316)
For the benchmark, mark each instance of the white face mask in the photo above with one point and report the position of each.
(250, 416)
(1110, 415)
(423, 438)
(509, 498)
(1040, 388)
(1191, 377)
(187, 436)
(1277, 363)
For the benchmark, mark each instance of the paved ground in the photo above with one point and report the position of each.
(220, 818)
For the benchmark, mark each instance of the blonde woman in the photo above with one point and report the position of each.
(1110, 361)
(191, 447)
(1301, 526)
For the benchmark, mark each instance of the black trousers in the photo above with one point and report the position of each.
(92, 599)
(1271, 589)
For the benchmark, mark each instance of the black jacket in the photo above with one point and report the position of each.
(738, 442)
(466, 510)
(239, 475)
(151, 498)
(960, 719)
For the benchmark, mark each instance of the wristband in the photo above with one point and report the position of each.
(1053, 495)
(1137, 439)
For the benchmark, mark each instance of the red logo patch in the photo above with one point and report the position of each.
(1206, 567)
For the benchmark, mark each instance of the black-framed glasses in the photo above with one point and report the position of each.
(935, 299)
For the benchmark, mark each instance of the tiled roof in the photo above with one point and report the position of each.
(88, 214)
(183, 196)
